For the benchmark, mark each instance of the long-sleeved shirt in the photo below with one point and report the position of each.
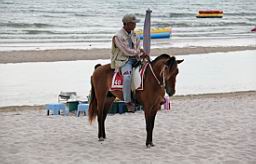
(125, 48)
(124, 45)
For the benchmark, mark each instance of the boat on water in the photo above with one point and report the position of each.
(209, 14)
(156, 33)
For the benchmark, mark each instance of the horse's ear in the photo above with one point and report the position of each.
(179, 61)
(170, 61)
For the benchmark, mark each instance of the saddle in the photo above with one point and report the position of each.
(137, 79)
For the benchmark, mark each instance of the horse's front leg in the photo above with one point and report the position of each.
(150, 121)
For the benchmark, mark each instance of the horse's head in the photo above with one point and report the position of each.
(170, 71)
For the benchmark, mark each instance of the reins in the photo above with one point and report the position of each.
(161, 72)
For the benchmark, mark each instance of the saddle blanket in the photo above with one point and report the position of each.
(137, 79)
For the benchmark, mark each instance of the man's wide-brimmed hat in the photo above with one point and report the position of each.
(130, 18)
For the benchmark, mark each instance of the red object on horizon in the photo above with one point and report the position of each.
(210, 12)
(254, 29)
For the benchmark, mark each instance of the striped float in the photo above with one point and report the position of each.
(156, 33)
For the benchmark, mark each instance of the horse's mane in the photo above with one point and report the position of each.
(162, 56)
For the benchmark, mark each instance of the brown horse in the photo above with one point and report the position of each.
(160, 76)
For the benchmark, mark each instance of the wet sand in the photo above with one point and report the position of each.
(93, 54)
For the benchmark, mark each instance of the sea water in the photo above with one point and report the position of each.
(61, 24)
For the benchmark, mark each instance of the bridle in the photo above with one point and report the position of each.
(161, 72)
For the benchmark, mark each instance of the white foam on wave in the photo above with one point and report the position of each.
(155, 43)
(205, 42)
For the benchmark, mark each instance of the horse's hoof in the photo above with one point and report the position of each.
(149, 145)
(101, 139)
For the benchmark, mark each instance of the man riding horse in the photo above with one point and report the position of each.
(126, 51)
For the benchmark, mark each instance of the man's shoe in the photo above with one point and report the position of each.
(130, 107)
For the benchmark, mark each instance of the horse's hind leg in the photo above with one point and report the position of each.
(108, 104)
(102, 114)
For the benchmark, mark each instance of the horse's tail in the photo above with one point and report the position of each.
(93, 104)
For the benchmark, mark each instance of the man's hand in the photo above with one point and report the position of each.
(143, 54)
(142, 51)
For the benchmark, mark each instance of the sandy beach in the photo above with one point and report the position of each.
(92, 54)
(211, 128)
(207, 128)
